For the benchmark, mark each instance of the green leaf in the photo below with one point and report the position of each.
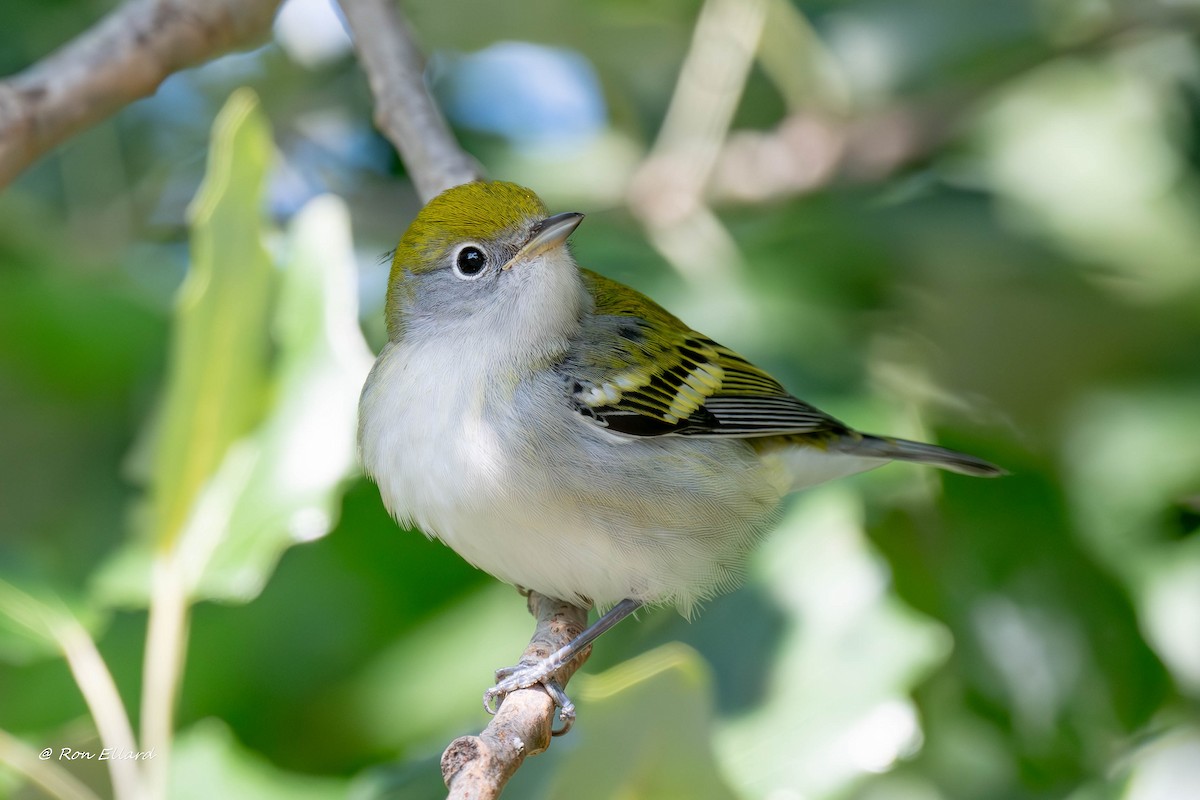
(282, 483)
(836, 707)
(427, 684)
(306, 447)
(33, 619)
(647, 733)
(217, 370)
(208, 762)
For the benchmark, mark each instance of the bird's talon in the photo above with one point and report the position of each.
(488, 697)
(567, 715)
(507, 682)
(555, 690)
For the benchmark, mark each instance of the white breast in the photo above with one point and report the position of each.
(423, 439)
(559, 507)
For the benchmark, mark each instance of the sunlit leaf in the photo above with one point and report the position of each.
(837, 705)
(306, 446)
(648, 734)
(208, 762)
(280, 484)
(33, 618)
(217, 370)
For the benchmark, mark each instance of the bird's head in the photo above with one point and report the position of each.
(488, 258)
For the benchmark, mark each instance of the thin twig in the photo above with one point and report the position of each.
(99, 691)
(472, 766)
(122, 58)
(478, 767)
(52, 620)
(166, 640)
(667, 192)
(404, 111)
(43, 771)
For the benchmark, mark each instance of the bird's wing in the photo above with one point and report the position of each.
(699, 388)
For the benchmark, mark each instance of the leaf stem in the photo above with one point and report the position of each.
(166, 642)
(99, 691)
(47, 774)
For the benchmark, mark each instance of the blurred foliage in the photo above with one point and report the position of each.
(1025, 286)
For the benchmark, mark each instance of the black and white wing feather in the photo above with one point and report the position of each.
(638, 370)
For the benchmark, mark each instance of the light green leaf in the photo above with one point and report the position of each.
(647, 733)
(305, 448)
(837, 706)
(33, 619)
(427, 685)
(217, 369)
(281, 484)
(209, 762)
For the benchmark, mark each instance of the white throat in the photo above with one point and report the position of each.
(524, 326)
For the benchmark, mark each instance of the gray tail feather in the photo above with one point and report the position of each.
(904, 450)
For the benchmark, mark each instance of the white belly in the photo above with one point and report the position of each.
(562, 509)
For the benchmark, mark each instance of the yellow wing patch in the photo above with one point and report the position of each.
(648, 374)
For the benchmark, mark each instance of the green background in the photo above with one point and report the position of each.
(1023, 284)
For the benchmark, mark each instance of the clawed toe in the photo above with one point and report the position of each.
(523, 676)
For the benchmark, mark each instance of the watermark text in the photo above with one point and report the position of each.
(107, 754)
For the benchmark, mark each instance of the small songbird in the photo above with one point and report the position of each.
(566, 434)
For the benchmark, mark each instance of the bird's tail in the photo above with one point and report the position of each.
(870, 446)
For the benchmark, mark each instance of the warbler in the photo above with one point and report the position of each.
(566, 434)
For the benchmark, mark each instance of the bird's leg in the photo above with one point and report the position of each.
(522, 676)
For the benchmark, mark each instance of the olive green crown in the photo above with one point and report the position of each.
(471, 212)
(476, 211)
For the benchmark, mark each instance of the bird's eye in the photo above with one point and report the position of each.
(470, 261)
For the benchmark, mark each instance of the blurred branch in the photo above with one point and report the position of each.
(696, 161)
(122, 58)
(99, 690)
(404, 111)
(807, 151)
(46, 773)
(49, 618)
(667, 191)
(478, 767)
(821, 142)
(162, 668)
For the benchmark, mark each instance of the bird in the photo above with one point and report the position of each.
(566, 434)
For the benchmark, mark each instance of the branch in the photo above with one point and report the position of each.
(820, 142)
(474, 767)
(56, 781)
(99, 691)
(667, 192)
(808, 151)
(122, 58)
(404, 111)
(162, 667)
(478, 767)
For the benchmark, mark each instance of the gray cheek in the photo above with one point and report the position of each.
(443, 298)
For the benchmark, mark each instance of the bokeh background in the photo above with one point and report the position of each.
(970, 221)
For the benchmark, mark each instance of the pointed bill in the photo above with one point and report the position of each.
(550, 232)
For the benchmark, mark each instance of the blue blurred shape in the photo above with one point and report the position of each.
(532, 95)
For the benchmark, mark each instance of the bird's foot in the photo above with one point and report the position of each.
(524, 676)
(531, 673)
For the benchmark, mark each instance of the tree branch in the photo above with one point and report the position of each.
(404, 111)
(99, 691)
(666, 193)
(122, 58)
(472, 766)
(56, 781)
(478, 767)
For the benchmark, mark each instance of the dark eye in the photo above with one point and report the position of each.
(470, 261)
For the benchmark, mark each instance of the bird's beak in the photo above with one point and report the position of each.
(550, 232)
